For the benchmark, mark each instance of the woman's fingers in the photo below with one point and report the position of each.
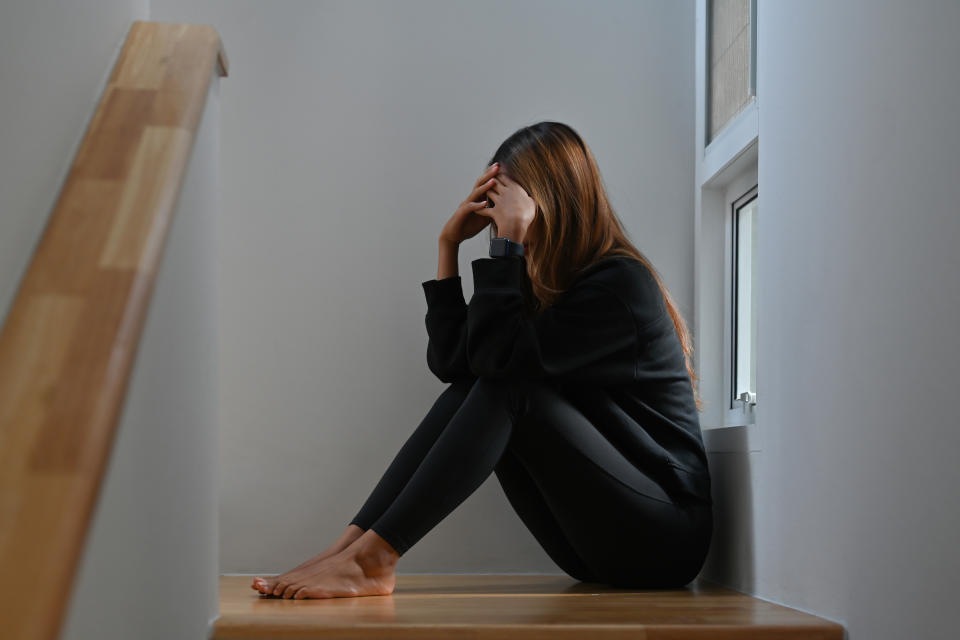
(483, 186)
(480, 207)
(489, 171)
(481, 196)
(481, 189)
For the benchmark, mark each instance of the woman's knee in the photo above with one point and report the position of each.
(499, 389)
(541, 406)
(457, 390)
(534, 403)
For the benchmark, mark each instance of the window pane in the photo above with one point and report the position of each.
(746, 309)
(729, 35)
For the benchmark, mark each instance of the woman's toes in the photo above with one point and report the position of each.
(278, 588)
(301, 593)
(290, 590)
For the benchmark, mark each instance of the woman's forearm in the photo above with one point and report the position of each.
(448, 265)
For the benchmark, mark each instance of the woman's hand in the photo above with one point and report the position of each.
(465, 223)
(513, 209)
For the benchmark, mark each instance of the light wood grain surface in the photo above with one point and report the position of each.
(70, 338)
(480, 606)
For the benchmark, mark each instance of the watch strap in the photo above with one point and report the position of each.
(501, 247)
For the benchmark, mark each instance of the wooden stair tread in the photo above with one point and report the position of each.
(513, 606)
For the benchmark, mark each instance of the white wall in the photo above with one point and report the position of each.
(351, 131)
(55, 57)
(149, 568)
(851, 508)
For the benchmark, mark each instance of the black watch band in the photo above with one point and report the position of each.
(501, 247)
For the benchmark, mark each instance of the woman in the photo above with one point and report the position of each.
(570, 378)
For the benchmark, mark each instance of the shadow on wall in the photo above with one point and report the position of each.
(731, 560)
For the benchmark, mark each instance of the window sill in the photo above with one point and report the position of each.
(735, 438)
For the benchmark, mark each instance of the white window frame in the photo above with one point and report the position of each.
(739, 192)
(725, 170)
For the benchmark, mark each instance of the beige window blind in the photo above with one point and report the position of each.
(730, 40)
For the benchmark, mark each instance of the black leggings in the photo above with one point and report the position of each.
(599, 517)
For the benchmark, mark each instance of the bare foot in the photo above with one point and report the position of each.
(267, 585)
(365, 568)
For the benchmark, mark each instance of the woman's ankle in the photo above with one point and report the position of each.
(347, 538)
(373, 553)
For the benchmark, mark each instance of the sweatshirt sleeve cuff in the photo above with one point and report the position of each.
(446, 292)
(500, 272)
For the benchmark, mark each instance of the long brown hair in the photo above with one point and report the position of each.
(575, 225)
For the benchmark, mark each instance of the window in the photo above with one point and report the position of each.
(726, 213)
(743, 354)
(732, 61)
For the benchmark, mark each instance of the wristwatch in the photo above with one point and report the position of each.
(501, 247)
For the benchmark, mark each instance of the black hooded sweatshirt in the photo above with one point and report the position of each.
(608, 343)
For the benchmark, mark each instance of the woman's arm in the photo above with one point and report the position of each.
(589, 335)
(446, 318)
(448, 266)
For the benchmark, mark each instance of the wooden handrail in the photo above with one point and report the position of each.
(72, 331)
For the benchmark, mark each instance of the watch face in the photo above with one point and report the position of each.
(505, 247)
